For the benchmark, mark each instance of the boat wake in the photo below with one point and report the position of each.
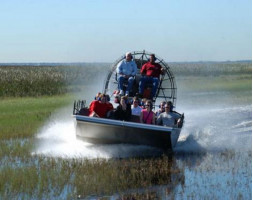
(216, 129)
(207, 129)
(57, 138)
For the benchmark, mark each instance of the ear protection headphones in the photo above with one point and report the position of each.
(153, 56)
(130, 56)
(116, 100)
(163, 103)
(125, 100)
(151, 104)
(171, 106)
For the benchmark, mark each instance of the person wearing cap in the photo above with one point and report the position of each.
(126, 71)
(150, 72)
(168, 118)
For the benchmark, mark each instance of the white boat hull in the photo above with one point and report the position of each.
(108, 131)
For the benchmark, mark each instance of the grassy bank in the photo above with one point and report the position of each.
(21, 117)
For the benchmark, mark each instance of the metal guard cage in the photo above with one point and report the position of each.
(167, 87)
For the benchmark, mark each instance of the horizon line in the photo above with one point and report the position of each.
(83, 62)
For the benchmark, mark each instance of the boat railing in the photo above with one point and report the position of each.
(167, 86)
(78, 106)
(80, 109)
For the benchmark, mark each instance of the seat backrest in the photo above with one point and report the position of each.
(84, 112)
(140, 62)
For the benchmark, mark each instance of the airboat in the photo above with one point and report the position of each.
(111, 131)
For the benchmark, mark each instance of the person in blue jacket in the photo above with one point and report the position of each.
(126, 70)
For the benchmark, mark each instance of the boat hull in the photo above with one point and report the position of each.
(107, 131)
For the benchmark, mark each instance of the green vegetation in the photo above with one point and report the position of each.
(21, 117)
(49, 178)
(46, 80)
(39, 80)
(211, 69)
(30, 94)
(231, 83)
(38, 92)
(27, 176)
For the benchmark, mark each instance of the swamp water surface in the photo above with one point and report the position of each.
(212, 160)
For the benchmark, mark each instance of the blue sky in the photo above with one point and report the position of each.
(103, 30)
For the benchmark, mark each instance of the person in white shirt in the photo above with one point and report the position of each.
(126, 70)
(136, 109)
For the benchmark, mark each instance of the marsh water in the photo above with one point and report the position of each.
(213, 157)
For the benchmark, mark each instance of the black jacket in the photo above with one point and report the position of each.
(121, 114)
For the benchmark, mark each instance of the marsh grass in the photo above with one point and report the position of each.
(230, 83)
(214, 69)
(41, 80)
(125, 174)
(27, 176)
(52, 178)
(21, 117)
(140, 178)
(220, 175)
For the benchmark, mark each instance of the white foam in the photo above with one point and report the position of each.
(205, 129)
(216, 128)
(57, 138)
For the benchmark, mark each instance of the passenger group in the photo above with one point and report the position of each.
(132, 109)
(150, 74)
(128, 110)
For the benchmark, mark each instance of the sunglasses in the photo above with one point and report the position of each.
(147, 105)
(167, 107)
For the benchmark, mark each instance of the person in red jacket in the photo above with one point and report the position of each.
(99, 108)
(151, 72)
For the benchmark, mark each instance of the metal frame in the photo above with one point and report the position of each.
(167, 87)
(78, 105)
